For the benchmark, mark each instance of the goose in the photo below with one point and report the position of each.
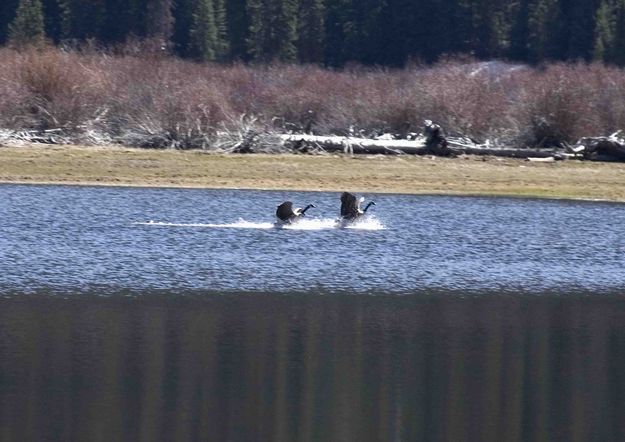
(350, 207)
(287, 214)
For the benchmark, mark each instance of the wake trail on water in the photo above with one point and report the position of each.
(304, 224)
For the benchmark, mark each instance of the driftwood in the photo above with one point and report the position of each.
(434, 142)
(610, 148)
(419, 146)
(353, 145)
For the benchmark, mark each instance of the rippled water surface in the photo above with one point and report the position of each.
(80, 238)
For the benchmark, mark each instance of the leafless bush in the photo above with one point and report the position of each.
(246, 135)
(159, 101)
(555, 105)
(168, 104)
(46, 88)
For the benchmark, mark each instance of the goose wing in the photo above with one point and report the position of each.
(349, 205)
(285, 211)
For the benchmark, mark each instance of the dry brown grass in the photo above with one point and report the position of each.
(402, 174)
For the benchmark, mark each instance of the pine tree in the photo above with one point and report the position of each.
(83, 19)
(617, 55)
(581, 25)
(283, 35)
(183, 17)
(489, 28)
(7, 14)
(222, 48)
(443, 29)
(258, 30)
(368, 46)
(272, 30)
(52, 19)
(519, 44)
(399, 32)
(237, 26)
(465, 16)
(203, 34)
(363, 38)
(123, 18)
(28, 26)
(311, 31)
(556, 31)
(160, 21)
(605, 24)
(336, 15)
(542, 30)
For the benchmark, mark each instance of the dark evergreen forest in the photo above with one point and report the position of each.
(331, 32)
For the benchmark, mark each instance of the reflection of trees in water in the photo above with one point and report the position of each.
(267, 367)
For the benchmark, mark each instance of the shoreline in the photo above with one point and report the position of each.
(465, 176)
(377, 192)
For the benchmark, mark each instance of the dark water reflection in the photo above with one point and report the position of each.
(271, 367)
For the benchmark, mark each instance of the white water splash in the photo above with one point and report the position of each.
(241, 224)
(302, 224)
(310, 224)
(367, 223)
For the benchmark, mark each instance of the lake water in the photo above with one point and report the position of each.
(74, 239)
(177, 314)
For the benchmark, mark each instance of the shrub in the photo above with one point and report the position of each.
(47, 88)
(161, 101)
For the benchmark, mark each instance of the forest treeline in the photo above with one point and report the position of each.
(331, 33)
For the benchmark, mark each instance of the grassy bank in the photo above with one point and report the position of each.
(395, 174)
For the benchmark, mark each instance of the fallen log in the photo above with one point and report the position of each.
(353, 145)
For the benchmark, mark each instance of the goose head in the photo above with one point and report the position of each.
(301, 212)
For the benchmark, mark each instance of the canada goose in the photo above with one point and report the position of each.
(287, 214)
(350, 206)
